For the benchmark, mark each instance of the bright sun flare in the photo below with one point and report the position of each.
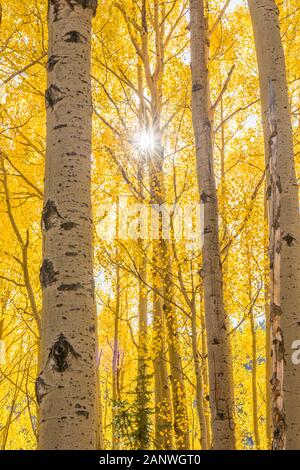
(146, 141)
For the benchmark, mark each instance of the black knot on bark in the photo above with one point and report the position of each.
(68, 225)
(52, 61)
(204, 197)
(70, 287)
(60, 352)
(221, 415)
(47, 273)
(197, 87)
(41, 389)
(74, 36)
(92, 4)
(289, 239)
(83, 413)
(55, 5)
(50, 214)
(53, 95)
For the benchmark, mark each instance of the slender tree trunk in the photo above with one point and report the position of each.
(284, 228)
(142, 311)
(254, 382)
(116, 360)
(142, 400)
(225, 260)
(181, 420)
(162, 392)
(268, 331)
(199, 382)
(221, 400)
(66, 385)
(254, 358)
(100, 434)
(162, 261)
(143, 420)
(204, 368)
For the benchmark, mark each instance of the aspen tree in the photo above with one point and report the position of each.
(162, 392)
(143, 419)
(204, 438)
(163, 311)
(205, 373)
(255, 408)
(66, 386)
(221, 400)
(116, 357)
(268, 368)
(283, 218)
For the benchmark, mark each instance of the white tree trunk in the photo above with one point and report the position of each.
(284, 228)
(66, 385)
(221, 400)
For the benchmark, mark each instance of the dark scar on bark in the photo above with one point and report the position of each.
(55, 4)
(197, 87)
(204, 197)
(50, 214)
(60, 352)
(60, 126)
(74, 36)
(47, 273)
(289, 239)
(92, 4)
(69, 287)
(82, 413)
(41, 389)
(52, 61)
(53, 95)
(68, 225)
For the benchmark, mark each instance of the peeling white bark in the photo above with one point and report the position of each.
(284, 228)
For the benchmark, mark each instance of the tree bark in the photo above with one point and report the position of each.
(199, 381)
(268, 331)
(143, 420)
(254, 355)
(116, 357)
(221, 400)
(284, 228)
(162, 392)
(181, 419)
(66, 386)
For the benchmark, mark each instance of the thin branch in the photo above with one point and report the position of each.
(219, 18)
(22, 70)
(224, 88)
